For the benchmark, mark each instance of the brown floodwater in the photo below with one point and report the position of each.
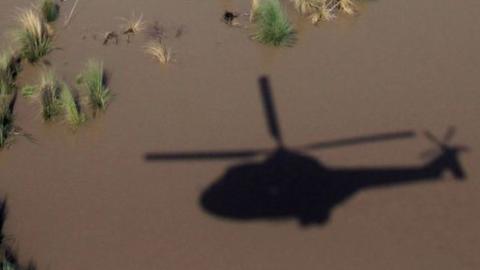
(90, 200)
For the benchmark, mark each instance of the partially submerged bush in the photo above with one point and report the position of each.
(34, 37)
(159, 51)
(50, 93)
(50, 10)
(273, 27)
(72, 109)
(94, 81)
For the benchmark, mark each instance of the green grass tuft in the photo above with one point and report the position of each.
(273, 27)
(50, 91)
(34, 36)
(50, 10)
(93, 80)
(71, 106)
(29, 90)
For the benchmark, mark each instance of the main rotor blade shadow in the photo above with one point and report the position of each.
(203, 155)
(270, 112)
(360, 140)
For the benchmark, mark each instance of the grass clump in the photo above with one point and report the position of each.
(133, 26)
(34, 37)
(50, 10)
(9, 68)
(273, 27)
(72, 109)
(94, 81)
(159, 51)
(50, 93)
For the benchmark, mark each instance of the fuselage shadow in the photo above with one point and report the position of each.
(290, 184)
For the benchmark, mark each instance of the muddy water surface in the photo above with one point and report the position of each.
(90, 200)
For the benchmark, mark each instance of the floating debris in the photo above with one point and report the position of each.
(229, 18)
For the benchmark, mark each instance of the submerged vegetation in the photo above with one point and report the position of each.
(50, 10)
(94, 81)
(57, 100)
(72, 109)
(159, 51)
(50, 92)
(273, 26)
(34, 36)
(324, 10)
(8, 71)
(133, 26)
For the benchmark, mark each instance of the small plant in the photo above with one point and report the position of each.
(133, 25)
(50, 93)
(324, 10)
(35, 37)
(273, 27)
(94, 81)
(50, 10)
(72, 109)
(162, 53)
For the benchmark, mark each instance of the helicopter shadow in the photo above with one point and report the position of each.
(288, 183)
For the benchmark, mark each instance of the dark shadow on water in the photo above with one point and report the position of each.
(287, 183)
(290, 184)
